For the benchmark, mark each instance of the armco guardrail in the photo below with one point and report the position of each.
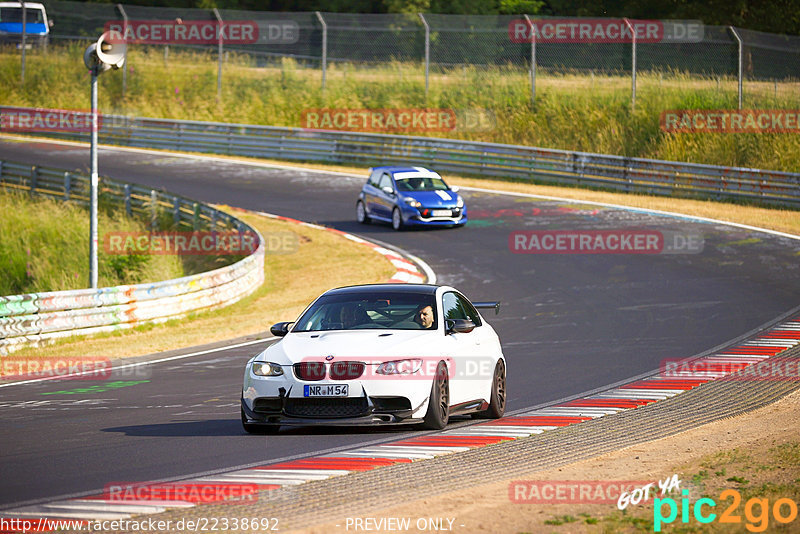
(39, 317)
(449, 155)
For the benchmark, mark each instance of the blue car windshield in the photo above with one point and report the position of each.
(420, 183)
(366, 310)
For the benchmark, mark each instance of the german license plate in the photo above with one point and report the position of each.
(325, 390)
(441, 213)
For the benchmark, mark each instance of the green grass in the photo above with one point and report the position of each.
(44, 246)
(575, 112)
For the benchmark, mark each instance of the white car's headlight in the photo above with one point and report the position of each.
(267, 369)
(413, 203)
(399, 367)
(460, 203)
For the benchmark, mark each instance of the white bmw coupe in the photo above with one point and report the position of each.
(378, 354)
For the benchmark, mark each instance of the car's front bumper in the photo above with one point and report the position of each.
(280, 400)
(414, 217)
(368, 418)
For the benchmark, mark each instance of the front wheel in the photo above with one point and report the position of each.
(497, 402)
(361, 213)
(397, 219)
(438, 413)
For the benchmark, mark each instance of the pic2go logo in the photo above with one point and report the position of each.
(756, 511)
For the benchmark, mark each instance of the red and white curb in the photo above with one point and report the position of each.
(640, 392)
(408, 271)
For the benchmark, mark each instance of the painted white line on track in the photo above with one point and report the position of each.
(144, 363)
(327, 473)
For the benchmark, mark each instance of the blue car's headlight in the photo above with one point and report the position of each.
(460, 203)
(412, 202)
(267, 369)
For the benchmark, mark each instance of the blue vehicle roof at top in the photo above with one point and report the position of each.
(406, 196)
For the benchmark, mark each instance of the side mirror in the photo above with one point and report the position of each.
(280, 329)
(459, 326)
(388, 190)
(455, 188)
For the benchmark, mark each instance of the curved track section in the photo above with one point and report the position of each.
(570, 322)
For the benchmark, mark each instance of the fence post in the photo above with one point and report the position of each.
(125, 41)
(34, 178)
(220, 54)
(633, 64)
(67, 186)
(741, 62)
(24, 44)
(427, 51)
(533, 59)
(176, 210)
(324, 48)
(154, 209)
(128, 209)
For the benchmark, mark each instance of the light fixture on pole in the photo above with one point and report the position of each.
(99, 57)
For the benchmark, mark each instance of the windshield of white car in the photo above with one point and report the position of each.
(420, 183)
(365, 311)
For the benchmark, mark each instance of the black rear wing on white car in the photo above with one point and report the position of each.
(488, 305)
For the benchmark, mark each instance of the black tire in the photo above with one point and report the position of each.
(252, 428)
(497, 402)
(397, 219)
(438, 413)
(361, 213)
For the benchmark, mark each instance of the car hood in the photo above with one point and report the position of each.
(363, 345)
(434, 199)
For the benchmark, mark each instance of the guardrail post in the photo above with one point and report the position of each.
(176, 210)
(324, 48)
(741, 63)
(153, 209)
(533, 59)
(195, 215)
(67, 186)
(128, 210)
(213, 220)
(34, 178)
(427, 51)
(220, 54)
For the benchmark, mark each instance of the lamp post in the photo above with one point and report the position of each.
(98, 58)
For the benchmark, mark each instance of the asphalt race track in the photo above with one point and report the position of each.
(569, 322)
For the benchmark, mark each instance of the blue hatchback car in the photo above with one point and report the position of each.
(409, 196)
